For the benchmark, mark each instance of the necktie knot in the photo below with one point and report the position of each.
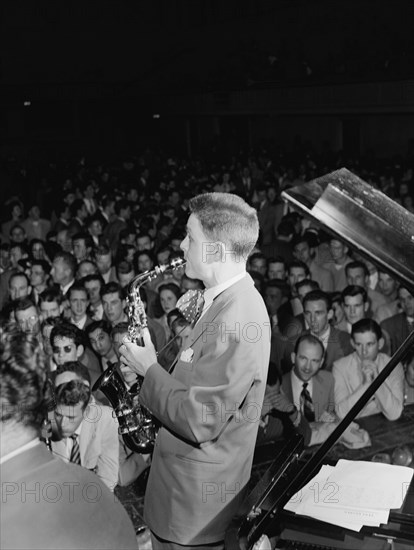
(191, 305)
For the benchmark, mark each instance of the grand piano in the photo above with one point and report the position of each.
(383, 232)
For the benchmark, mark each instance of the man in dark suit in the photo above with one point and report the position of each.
(47, 504)
(211, 403)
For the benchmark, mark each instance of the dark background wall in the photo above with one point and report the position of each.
(93, 74)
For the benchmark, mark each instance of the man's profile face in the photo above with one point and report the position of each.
(37, 275)
(317, 316)
(307, 361)
(68, 418)
(64, 350)
(354, 308)
(198, 250)
(113, 307)
(79, 249)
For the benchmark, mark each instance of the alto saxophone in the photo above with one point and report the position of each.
(136, 424)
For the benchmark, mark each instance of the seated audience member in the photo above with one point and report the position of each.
(103, 260)
(124, 272)
(308, 387)
(99, 334)
(27, 316)
(82, 246)
(303, 251)
(400, 325)
(356, 307)
(338, 319)
(85, 268)
(258, 262)
(354, 373)
(72, 520)
(63, 271)
(144, 241)
(78, 305)
(169, 294)
(296, 271)
(306, 375)
(357, 274)
(408, 364)
(93, 284)
(19, 286)
(114, 303)
(68, 344)
(317, 309)
(276, 268)
(388, 287)
(85, 431)
(303, 288)
(340, 258)
(39, 275)
(181, 330)
(46, 328)
(50, 303)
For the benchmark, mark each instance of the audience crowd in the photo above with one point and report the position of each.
(73, 240)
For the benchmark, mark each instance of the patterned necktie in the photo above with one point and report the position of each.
(307, 404)
(191, 305)
(75, 453)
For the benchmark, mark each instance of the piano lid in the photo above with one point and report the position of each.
(363, 217)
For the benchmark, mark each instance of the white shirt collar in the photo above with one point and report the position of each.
(20, 450)
(214, 291)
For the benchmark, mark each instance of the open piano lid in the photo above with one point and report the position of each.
(363, 217)
(383, 231)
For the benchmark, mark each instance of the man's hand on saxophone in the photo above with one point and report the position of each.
(137, 359)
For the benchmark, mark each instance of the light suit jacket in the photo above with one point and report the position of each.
(210, 410)
(98, 443)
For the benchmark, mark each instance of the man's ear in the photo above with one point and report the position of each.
(29, 289)
(330, 314)
(381, 343)
(293, 357)
(79, 351)
(219, 252)
(366, 306)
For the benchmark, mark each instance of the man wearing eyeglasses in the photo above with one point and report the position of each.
(27, 316)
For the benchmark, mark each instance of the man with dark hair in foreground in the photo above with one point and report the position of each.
(45, 502)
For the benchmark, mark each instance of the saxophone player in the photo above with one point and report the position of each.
(209, 404)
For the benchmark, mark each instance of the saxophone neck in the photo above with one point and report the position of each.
(143, 278)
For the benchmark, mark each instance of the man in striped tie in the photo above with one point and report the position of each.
(85, 432)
